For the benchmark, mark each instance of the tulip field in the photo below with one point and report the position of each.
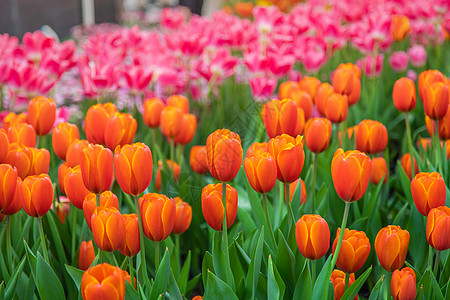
(292, 151)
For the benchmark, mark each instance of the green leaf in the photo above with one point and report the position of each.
(11, 287)
(31, 259)
(162, 277)
(246, 220)
(255, 265)
(320, 290)
(304, 288)
(375, 294)
(184, 274)
(48, 284)
(192, 283)
(356, 286)
(130, 292)
(255, 202)
(173, 289)
(207, 265)
(217, 289)
(2, 290)
(285, 261)
(435, 286)
(273, 291)
(76, 275)
(218, 257)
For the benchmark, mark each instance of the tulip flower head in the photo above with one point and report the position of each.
(435, 100)
(400, 27)
(406, 165)
(403, 284)
(256, 149)
(120, 130)
(183, 216)
(158, 216)
(74, 186)
(336, 108)
(63, 135)
(41, 114)
(212, 205)
(74, 152)
(391, 245)
(188, 128)
(152, 112)
(313, 236)
(107, 199)
(289, 156)
(261, 172)
(171, 121)
(428, 191)
(86, 256)
(281, 116)
(103, 282)
(132, 243)
(354, 251)
(108, 228)
(438, 227)
(4, 145)
(95, 123)
(36, 193)
(372, 136)
(338, 280)
(97, 168)
(197, 159)
(8, 181)
(317, 134)
(378, 170)
(404, 94)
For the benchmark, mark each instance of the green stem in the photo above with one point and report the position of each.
(343, 127)
(280, 204)
(312, 269)
(44, 246)
(389, 285)
(8, 243)
(410, 146)
(430, 256)
(38, 141)
(436, 263)
(269, 224)
(130, 265)
(1, 98)
(97, 199)
(156, 257)
(177, 251)
(288, 200)
(143, 266)
(437, 148)
(172, 156)
(347, 281)
(341, 235)
(74, 228)
(313, 186)
(225, 234)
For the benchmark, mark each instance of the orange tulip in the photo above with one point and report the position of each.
(4, 145)
(346, 82)
(8, 182)
(289, 156)
(338, 280)
(212, 205)
(87, 255)
(97, 168)
(350, 171)
(372, 136)
(403, 284)
(36, 193)
(354, 251)
(317, 134)
(22, 133)
(16, 203)
(427, 78)
(428, 191)
(152, 112)
(188, 128)
(183, 216)
(292, 188)
(281, 116)
(134, 166)
(171, 121)
(378, 170)
(132, 243)
(41, 114)
(391, 245)
(310, 85)
(256, 149)
(443, 126)
(11, 119)
(435, 100)
(108, 228)
(21, 158)
(172, 166)
(158, 216)
(201, 297)
(62, 207)
(120, 130)
(62, 169)
(40, 162)
(291, 90)
(400, 27)
(63, 135)
(313, 236)
(224, 154)
(74, 187)
(261, 172)
(179, 101)
(103, 282)
(74, 152)
(404, 94)
(107, 199)
(95, 123)
(324, 92)
(438, 227)
(406, 165)
(242, 9)
(127, 277)
(197, 159)
(336, 108)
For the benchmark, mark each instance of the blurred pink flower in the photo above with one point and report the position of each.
(411, 74)
(399, 61)
(62, 115)
(418, 55)
(172, 18)
(369, 67)
(262, 87)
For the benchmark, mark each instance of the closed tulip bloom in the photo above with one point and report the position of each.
(97, 168)
(21, 158)
(180, 101)
(338, 280)
(127, 277)
(62, 207)
(403, 284)
(280, 116)
(435, 100)
(86, 256)
(4, 145)
(63, 135)
(261, 172)
(107, 199)
(183, 216)
(95, 122)
(16, 204)
(427, 78)
(391, 245)
(310, 85)
(400, 27)
(172, 166)
(350, 171)
(317, 134)
(313, 236)
(41, 114)
(354, 251)
(158, 216)
(336, 108)
(62, 169)
(292, 188)
(22, 133)
(224, 154)
(257, 149)
(197, 159)
(438, 228)
(406, 165)
(108, 228)
(36, 193)
(40, 162)
(74, 152)
(404, 94)
(212, 205)
(8, 181)
(289, 156)
(291, 90)
(74, 187)
(324, 92)
(343, 81)
(132, 244)
(443, 125)
(152, 112)
(133, 166)
(103, 282)
(372, 136)
(13, 118)
(378, 170)
(171, 121)
(428, 191)
(121, 129)
(188, 128)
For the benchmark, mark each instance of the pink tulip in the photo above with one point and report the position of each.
(399, 61)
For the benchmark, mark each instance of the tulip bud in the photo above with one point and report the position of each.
(158, 216)
(310, 85)
(372, 136)
(438, 227)
(152, 112)
(378, 170)
(16, 203)
(171, 121)
(404, 94)
(261, 172)
(132, 243)
(96, 120)
(4, 145)
(428, 191)
(21, 158)
(324, 92)
(8, 182)
(435, 100)
(406, 165)
(97, 168)
(400, 27)
(291, 90)
(187, 132)
(62, 169)
(350, 171)
(317, 134)
(336, 108)
(107, 199)
(391, 245)
(427, 78)
(36, 193)
(41, 114)
(313, 236)
(63, 135)
(11, 119)
(40, 161)
(103, 282)
(23, 134)
(197, 159)
(172, 166)
(183, 216)
(120, 130)
(338, 280)
(257, 149)
(74, 152)
(355, 249)
(179, 101)
(74, 187)
(108, 228)
(87, 255)
(62, 208)
(212, 205)
(292, 188)
(403, 284)
(289, 156)
(281, 116)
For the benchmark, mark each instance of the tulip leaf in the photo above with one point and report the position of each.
(31, 259)
(436, 289)
(304, 288)
(55, 228)
(2, 290)
(236, 266)
(207, 264)
(48, 284)
(285, 261)
(192, 284)
(375, 294)
(162, 277)
(321, 286)
(172, 288)
(76, 275)
(184, 274)
(130, 292)
(218, 289)
(253, 270)
(405, 182)
(296, 199)
(218, 257)
(247, 222)
(12, 283)
(445, 274)
(273, 291)
(356, 286)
